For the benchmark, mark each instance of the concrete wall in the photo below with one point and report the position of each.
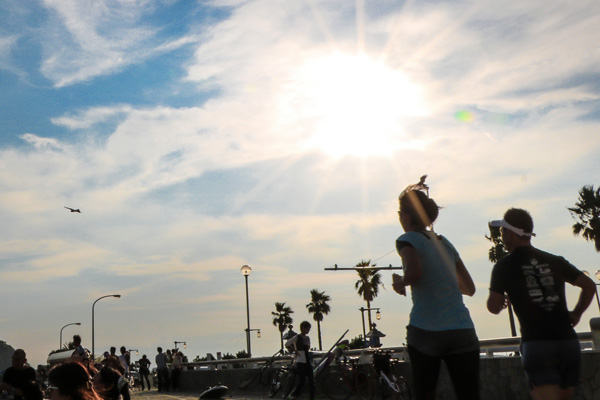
(502, 378)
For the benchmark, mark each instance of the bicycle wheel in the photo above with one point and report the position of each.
(385, 386)
(288, 382)
(404, 392)
(363, 386)
(275, 382)
(335, 386)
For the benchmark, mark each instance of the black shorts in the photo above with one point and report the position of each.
(552, 362)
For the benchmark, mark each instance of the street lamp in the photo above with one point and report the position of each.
(184, 344)
(98, 299)
(246, 271)
(362, 312)
(257, 332)
(136, 351)
(61, 329)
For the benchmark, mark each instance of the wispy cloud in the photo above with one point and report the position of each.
(89, 40)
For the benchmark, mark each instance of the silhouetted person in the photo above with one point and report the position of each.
(162, 370)
(176, 367)
(440, 326)
(145, 371)
(534, 283)
(17, 376)
(300, 345)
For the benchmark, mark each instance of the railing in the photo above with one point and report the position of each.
(489, 348)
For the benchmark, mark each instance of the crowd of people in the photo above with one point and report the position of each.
(440, 327)
(81, 378)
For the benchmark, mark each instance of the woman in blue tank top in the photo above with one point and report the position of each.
(440, 327)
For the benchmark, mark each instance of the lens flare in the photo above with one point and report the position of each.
(464, 116)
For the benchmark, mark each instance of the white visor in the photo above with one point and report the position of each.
(506, 225)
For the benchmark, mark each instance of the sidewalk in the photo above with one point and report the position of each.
(156, 395)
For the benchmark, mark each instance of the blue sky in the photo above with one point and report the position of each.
(197, 137)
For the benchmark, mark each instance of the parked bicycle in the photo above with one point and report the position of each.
(345, 378)
(391, 384)
(263, 373)
(284, 379)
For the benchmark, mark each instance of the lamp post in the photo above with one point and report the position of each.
(246, 271)
(61, 329)
(184, 344)
(137, 352)
(98, 299)
(362, 312)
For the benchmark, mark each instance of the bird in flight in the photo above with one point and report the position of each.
(73, 209)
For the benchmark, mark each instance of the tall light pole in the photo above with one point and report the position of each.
(362, 312)
(178, 342)
(98, 299)
(246, 271)
(61, 329)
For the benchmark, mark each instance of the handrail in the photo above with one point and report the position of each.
(487, 346)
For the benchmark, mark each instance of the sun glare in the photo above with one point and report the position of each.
(356, 105)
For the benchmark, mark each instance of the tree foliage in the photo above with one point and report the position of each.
(318, 307)
(282, 318)
(368, 283)
(497, 251)
(587, 215)
(495, 254)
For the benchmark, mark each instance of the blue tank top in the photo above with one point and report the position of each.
(437, 300)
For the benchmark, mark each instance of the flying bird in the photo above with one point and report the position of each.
(73, 209)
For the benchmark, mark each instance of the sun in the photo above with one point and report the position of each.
(355, 105)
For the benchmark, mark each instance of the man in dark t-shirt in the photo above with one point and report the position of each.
(15, 378)
(534, 283)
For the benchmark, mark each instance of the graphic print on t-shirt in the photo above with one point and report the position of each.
(540, 284)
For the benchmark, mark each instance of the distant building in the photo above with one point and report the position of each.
(6, 352)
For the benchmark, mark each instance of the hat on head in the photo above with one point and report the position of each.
(502, 223)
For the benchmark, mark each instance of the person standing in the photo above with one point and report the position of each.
(176, 367)
(440, 326)
(300, 345)
(534, 283)
(124, 359)
(162, 370)
(145, 371)
(17, 376)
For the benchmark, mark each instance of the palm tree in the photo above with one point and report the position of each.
(587, 214)
(282, 318)
(318, 307)
(496, 253)
(368, 283)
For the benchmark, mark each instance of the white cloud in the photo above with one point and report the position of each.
(89, 40)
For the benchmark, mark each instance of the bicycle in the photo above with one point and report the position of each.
(283, 378)
(261, 373)
(347, 379)
(391, 384)
(287, 378)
